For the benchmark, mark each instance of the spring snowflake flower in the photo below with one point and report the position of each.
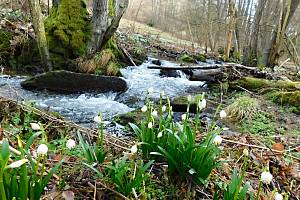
(266, 177)
(150, 125)
(97, 119)
(164, 108)
(144, 109)
(159, 135)
(223, 114)
(202, 104)
(217, 140)
(71, 144)
(150, 90)
(246, 152)
(162, 93)
(17, 164)
(183, 117)
(154, 113)
(134, 149)
(278, 196)
(42, 149)
(35, 126)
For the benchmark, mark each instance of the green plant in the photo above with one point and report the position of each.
(242, 108)
(127, 176)
(20, 181)
(96, 152)
(262, 123)
(176, 143)
(234, 191)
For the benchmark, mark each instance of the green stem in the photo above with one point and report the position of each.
(258, 191)
(2, 190)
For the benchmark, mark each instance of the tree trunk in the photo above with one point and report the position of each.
(55, 3)
(39, 29)
(278, 37)
(251, 53)
(105, 21)
(231, 27)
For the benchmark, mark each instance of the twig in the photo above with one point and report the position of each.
(260, 147)
(106, 187)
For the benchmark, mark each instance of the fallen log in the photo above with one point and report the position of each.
(202, 67)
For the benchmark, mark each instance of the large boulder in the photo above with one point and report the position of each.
(70, 82)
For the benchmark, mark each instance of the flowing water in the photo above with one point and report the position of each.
(81, 108)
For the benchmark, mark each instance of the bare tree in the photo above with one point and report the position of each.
(287, 12)
(39, 29)
(105, 21)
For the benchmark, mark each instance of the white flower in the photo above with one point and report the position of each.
(189, 98)
(217, 140)
(154, 113)
(162, 93)
(159, 135)
(278, 196)
(192, 171)
(164, 108)
(97, 119)
(183, 117)
(71, 144)
(150, 125)
(202, 104)
(150, 90)
(35, 126)
(246, 152)
(144, 109)
(17, 164)
(223, 114)
(134, 149)
(266, 177)
(42, 149)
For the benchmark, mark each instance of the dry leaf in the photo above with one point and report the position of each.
(278, 147)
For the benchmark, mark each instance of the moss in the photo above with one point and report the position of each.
(5, 51)
(262, 123)
(68, 30)
(260, 84)
(134, 117)
(200, 57)
(111, 8)
(186, 58)
(291, 99)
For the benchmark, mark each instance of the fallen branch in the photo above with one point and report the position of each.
(260, 147)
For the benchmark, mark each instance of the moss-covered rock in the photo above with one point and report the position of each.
(187, 58)
(68, 30)
(200, 57)
(257, 84)
(180, 104)
(134, 117)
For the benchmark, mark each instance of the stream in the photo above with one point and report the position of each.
(81, 108)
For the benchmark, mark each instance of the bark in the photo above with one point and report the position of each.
(105, 21)
(251, 53)
(55, 3)
(231, 27)
(278, 37)
(39, 29)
